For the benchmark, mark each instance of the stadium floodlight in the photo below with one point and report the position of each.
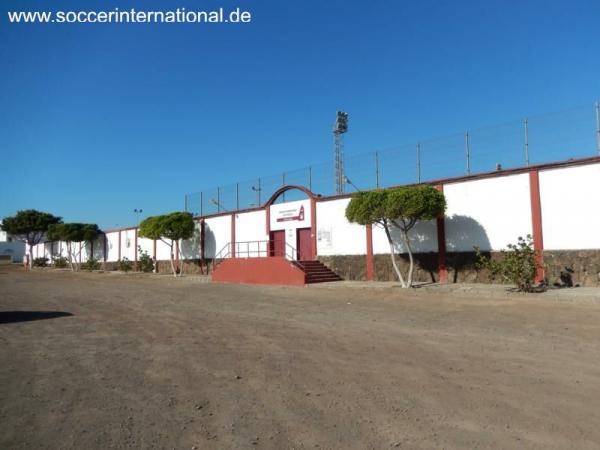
(341, 122)
(340, 127)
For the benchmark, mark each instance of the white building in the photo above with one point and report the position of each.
(10, 249)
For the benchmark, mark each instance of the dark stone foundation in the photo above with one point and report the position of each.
(461, 266)
(190, 266)
(585, 265)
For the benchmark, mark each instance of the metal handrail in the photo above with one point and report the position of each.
(252, 249)
(290, 252)
(249, 250)
(221, 255)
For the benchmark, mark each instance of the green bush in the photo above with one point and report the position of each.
(518, 264)
(60, 262)
(91, 264)
(40, 262)
(145, 263)
(124, 265)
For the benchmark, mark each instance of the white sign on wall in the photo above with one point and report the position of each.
(324, 239)
(292, 215)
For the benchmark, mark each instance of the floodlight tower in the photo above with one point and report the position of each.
(340, 127)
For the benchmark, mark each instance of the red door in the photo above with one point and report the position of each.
(277, 243)
(304, 244)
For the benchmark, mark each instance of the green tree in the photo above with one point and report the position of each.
(73, 232)
(29, 226)
(401, 208)
(169, 228)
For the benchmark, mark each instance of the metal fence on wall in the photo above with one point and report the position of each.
(572, 133)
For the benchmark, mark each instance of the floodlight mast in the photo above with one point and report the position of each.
(340, 127)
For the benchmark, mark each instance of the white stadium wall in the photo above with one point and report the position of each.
(112, 246)
(217, 234)
(553, 202)
(128, 249)
(335, 235)
(146, 245)
(570, 212)
(488, 213)
(423, 239)
(251, 234)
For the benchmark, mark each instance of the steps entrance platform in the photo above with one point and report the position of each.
(272, 270)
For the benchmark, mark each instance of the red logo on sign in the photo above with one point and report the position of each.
(299, 217)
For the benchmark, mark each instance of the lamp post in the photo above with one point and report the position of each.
(137, 213)
(257, 190)
(218, 205)
(349, 181)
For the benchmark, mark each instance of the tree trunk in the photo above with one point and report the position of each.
(172, 261)
(180, 257)
(410, 258)
(393, 255)
(70, 254)
(30, 262)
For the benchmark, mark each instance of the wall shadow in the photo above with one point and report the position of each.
(463, 233)
(28, 316)
(423, 238)
(190, 248)
(210, 243)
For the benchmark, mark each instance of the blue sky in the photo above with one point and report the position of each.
(96, 120)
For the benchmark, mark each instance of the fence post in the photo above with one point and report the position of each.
(376, 169)
(598, 126)
(468, 152)
(526, 123)
(259, 189)
(418, 162)
(218, 200)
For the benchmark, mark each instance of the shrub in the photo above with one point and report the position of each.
(518, 264)
(60, 262)
(145, 263)
(91, 264)
(124, 265)
(40, 262)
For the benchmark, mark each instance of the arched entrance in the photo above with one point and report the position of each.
(292, 226)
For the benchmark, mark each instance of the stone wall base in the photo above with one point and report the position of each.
(461, 266)
(585, 265)
(190, 266)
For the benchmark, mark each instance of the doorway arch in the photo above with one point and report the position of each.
(313, 213)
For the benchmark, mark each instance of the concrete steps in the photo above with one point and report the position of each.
(317, 272)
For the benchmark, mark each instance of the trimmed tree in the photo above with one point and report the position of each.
(29, 226)
(169, 228)
(401, 208)
(74, 232)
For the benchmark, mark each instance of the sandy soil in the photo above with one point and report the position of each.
(158, 363)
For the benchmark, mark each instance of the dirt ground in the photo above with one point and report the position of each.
(100, 361)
